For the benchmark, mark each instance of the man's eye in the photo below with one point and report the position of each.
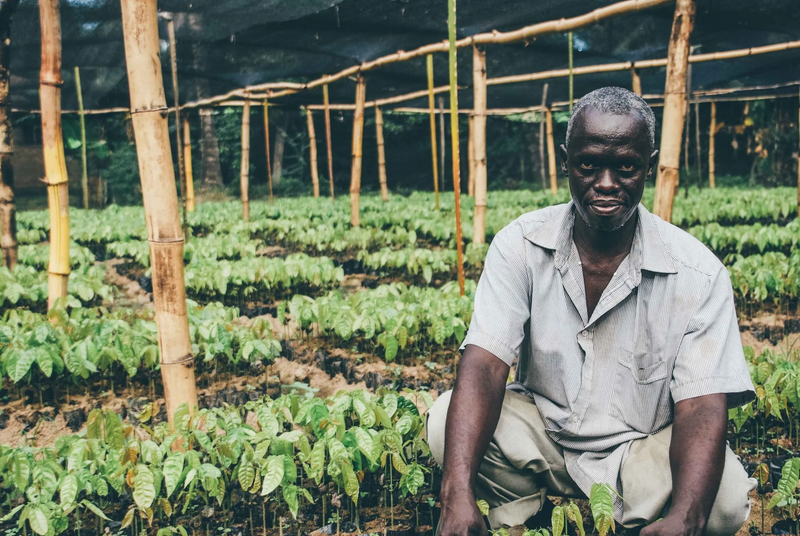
(626, 167)
(586, 165)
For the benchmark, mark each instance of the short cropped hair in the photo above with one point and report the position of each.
(616, 101)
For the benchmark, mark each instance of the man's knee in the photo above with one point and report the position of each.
(434, 426)
(732, 506)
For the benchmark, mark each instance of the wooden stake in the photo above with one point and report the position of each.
(266, 142)
(82, 119)
(431, 105)
(244, 172)
(479, 143)
(698, 148)
(542, 152)
(173, 61)
(328, 137)
(712, 132)
(140, 31)
(571, 74)
(551, 152)
(674, 108)
(381, 154)
(636, 81)
(453, 59)
(798, 166)
(358, 139)
(8, 212)
(312, 152)
(55, 166)
(442, 143)
(471, 156)
(187, 164)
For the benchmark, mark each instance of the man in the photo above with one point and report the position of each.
(627, 347)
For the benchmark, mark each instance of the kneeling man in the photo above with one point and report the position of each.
(628, 355)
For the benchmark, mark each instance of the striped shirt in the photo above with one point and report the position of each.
(665, 329)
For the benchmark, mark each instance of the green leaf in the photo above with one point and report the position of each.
(483, 507)
(144, 492)
(173, 468)
(247, 473)
(557, 520)
(94, 509)
(574, 515)
(290, 496)
(351, 484)
(115, 436)
(69, 490)
(391, 347)
(37, 519)
(272, 475)
(601, 503)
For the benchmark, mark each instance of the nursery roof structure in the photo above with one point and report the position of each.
(225, 45)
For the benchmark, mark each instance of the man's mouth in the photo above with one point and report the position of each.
(606, 208)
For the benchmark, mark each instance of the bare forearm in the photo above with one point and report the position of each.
(697, 458)
(472, 418)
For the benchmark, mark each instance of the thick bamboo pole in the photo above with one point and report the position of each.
(140, 30)
(798, 165)
(712, 132)
(542, 151)
(187, 163)
(698, 147)
(431, 105)
(173, 62)
(381, 154)
(312, 152)
(471, 156)
(674, 108)
(636, 81)
(442, 143)
(266, 143)
(551, 152)
(453, 60)
(358, 142)
(571, 73)
(84, 168)
(328, 137)
(244, 171)
(55, 167)
(479, 142)
(8, 212)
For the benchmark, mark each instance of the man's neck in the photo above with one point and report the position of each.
(604, 244)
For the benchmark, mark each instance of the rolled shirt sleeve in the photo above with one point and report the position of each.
(710, 358)
(502, 299)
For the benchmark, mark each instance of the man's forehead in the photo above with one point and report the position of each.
(593, 124)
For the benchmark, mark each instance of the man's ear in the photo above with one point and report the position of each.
(652, 164)
(563, 152)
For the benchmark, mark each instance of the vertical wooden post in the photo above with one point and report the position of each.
(312, 152)
(453, 60)
(712, 132)
(674, 108)
(431, 105)
(244, 173)
(551, 152)
(698, 147)
(471, 156)
(636, 81)
(266, 143)
(542, 152)
(381, 154)
(150, 128)
(328, 137)
(82, 118)
(479, 143)
(55, 166)
(687, 121)
(442, 144)
(187, 162)
(8, 212)
(173, 61)
(571, 84)
(798, 165)
(358, 141)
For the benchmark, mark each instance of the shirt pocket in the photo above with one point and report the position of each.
(641, 393)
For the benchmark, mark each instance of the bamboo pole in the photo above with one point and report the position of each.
(140, 31)
(798, 165)
(431, 105)
(381, 154)
(84, 168)
(328, 137)
(266, 143)
(674, 108)
(244, 172)
(542, 138)
(551, 152)
(571, 73)
(698, 147)
(442, 143)
(312, 152)
(453, 60)
(173, 62)
(187, 162)
(8, 213)
(712, 132)
(358, 140)
(479, 143)
(687, 120)
(471, 156)
(55, 167)
(636, 81)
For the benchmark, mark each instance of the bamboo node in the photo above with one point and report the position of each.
(54, 182)
(163, 110)
(164, 241)
(186, 361)
(48, 82)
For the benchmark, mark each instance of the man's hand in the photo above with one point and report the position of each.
(461, 517)
(670, 526)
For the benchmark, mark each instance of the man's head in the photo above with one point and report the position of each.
(608, 155)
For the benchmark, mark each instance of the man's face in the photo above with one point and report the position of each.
(607, 163)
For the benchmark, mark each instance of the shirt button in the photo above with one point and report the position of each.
(575, 418)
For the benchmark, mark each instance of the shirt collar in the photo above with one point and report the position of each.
(647, 253)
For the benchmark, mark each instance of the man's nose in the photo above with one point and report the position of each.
(606, 180)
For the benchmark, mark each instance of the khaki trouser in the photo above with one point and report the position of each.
(523, 465)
